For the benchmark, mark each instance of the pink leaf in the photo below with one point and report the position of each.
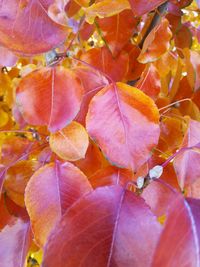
(187, 163)
(26, 28)
(179, 242)
(14, 243)
(109, 227)
(140, 7)
(130, 122)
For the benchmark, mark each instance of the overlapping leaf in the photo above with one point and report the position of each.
(187, 163)
(105, 8)
(111, 176)
(50, 192)
(70, 143)
(141, 7)
(156, 43)
(180, 239)
(22, 33)
(102, 59)
(121, 238)
(118, 29)
(14, 243)
(130, 122)
(50, 96)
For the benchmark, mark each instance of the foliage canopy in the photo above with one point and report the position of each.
(100, 133)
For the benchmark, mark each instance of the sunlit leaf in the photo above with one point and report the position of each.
(50, 96)
(130, 122)
(105, 8)
(156, 43)
(110, 176)
(50, 192)
(150, 82)
(92, 82)
(70, 143)
(21, 32)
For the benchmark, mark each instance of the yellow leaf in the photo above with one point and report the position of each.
(105, 8)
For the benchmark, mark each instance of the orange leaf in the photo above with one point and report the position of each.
(150, 82)
(156, 43)
(50, 192)
(92, 82)
(70, 143)
(105, 8)
(93, 161)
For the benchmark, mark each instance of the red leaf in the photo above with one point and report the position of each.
(102, 59)
(50, 96)
(150, 82)
(110, 176)
(26, 28)
(118, 29)
(141, 7)
(159, 197)
(109, 227)
(180, 240)
(14, 243)
(92, 82)
(50, 192)
(135, 68)
(130, 122)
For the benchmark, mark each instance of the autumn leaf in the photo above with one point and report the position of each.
(118, 29)
(180, 235)
(14, 243)
(20, 32)
(50, 96)
(115, 212)
(102, 60)
(140, 7)
(186, 163)
(70, 143)
(156, 43)
(130, 119)
(105, 8)
(60, 185)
